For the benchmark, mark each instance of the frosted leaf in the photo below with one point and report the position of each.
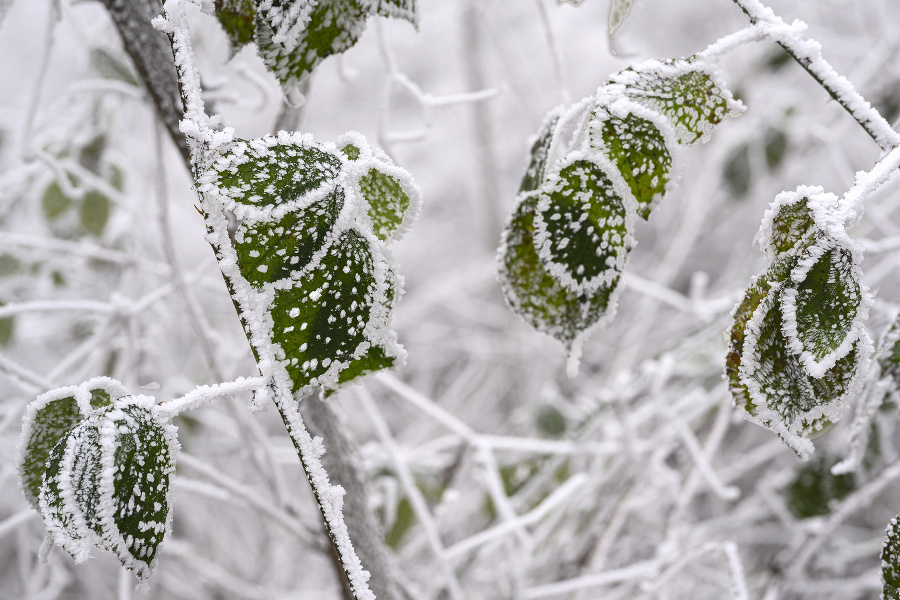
(686, 91)
(398, 9)
(640, 151)
(782, 395)
(237, 19)
(107, 484)
(333, 27)
(320, 323)
(753, 297)
(388, 201)
(890, 561)
(540, 152)
(823, 308)
(286, 19)
(618, 10)
(581, 226)
(271, 171)
(788, 223)
(270, 250)
(535, 296)
(351, 151)
(49, 418)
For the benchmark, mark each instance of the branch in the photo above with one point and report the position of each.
(808, 53)
(149, 51)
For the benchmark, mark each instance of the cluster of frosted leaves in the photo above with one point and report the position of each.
(890, 561)
(313, 269)
(294, 36)
(798, 347)
(566, 244)
(96, 464)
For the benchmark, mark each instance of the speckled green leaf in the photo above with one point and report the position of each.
(270, 251)
(638, 149)
(688, 95)
(890, 561)
(255, 173)
(580, 227)
(791, 224)
(319, 323)
(533, 294)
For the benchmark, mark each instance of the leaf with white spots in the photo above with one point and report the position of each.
(688, 92)
(533, 294)
(640, 150)
(787, 225)
(581, 224)
(890, 561)
(321, 322)
(106, 484)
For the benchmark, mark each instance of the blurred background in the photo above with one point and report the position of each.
(637, 472)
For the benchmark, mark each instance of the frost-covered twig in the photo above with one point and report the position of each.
(206, 393)
(808, 53)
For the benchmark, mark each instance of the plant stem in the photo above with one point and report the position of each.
(808, 53)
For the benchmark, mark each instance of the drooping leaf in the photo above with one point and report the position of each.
(783, 397)
(141, 502)
(581, 227)
(333, 27)
(540, 152)
(47, 420)
(687, 92)
(825, 305)
(269, 252)
(107, 485)
(638, 149)
(320, 322)
(388, 202)
(534, 295)
(618, 10)
(237, 19)
(890, 561)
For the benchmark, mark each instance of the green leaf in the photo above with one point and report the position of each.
(540, 151)
(889, 356)
(270, 251)
(54, 202)
(94, 212)
(334, 26)
(618, 10)
(267, 172)
(143, 461)
(534, 295)
(581, 227)
(775, 145)
(814, 488)
(638, 148)
(685, 91)
(737, 171)
(890, 560)
(47, 421)
(320, 323)
(237, 19)
(350, 151)
(783, 397)
(823, 308)
(388, 202)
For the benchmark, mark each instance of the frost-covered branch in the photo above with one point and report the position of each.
(808, 53)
